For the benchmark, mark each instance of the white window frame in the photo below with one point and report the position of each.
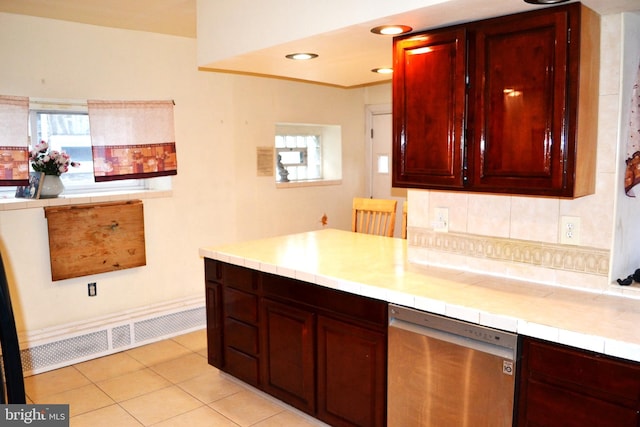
(330, 137)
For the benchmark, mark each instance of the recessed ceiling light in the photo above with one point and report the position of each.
(391, 30)
(384, 70)
(545, 1)
(301, 56)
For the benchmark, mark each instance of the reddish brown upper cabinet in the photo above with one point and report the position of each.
(429, 109)
(505, 105)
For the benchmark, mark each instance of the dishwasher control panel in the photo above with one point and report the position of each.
(447, 326)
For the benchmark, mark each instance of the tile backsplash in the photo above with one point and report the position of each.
(555, 256)
(548, 263)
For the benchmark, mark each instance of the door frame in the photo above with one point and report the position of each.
(371, 110)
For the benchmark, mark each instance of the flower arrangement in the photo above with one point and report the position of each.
(51, 162)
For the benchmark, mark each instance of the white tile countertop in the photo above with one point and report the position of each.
(377, 267)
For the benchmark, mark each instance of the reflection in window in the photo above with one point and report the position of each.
(383, 163)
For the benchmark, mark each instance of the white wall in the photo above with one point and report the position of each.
(220, 119)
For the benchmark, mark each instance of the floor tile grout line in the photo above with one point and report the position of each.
(180, 385)
(170, 384)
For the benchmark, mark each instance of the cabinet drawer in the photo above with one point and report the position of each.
(584, 371)
(239, 277)
(357, 307)
(241, 365)
(241, 336)
(548, 402)
(240, 305)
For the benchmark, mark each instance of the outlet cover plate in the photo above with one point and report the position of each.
(570, 230)
(441, 220)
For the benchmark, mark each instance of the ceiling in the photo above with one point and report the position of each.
(346, 56)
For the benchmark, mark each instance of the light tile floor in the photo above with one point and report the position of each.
(165, 384)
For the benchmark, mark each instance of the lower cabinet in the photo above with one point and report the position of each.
(288, 362)
(320, 350)
(351, 383)
(566, 387)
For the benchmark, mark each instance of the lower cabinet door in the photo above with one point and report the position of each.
(214, 324)
(351, 374)
(288, 354)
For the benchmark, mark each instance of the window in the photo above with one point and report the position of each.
(65, 127)
(300, 155)
(308, 153)
(67, 132)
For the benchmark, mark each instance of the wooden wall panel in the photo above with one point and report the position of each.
(95, 238)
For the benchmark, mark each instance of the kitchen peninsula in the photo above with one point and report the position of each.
(376, 270)
(377, 267)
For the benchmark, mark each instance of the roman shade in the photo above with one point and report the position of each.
(14, 140)
(132, 139)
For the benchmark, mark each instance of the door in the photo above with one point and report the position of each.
(429, 94)
(351, 374)
(379, 161)
(520, 99)
(288, 354)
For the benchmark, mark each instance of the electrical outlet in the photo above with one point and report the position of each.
(92, 289)
(570, 230)
(441, 220)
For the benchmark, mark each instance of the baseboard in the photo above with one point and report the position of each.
(68, 344)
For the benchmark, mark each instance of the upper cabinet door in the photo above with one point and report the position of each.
(520, 95)
(504, 105)
(429, 84)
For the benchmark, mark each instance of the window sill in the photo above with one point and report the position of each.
(13, 203)
(310, 183)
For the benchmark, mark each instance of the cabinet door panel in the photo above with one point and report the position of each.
(288, 354)
(520, 93)
(351, 374)
(429, 105)
(214, 323)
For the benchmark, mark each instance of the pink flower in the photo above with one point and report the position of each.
(51, 163)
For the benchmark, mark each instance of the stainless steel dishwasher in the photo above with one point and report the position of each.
(446, 373)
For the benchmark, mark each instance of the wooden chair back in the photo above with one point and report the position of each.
(404, 219)
(374, 216)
